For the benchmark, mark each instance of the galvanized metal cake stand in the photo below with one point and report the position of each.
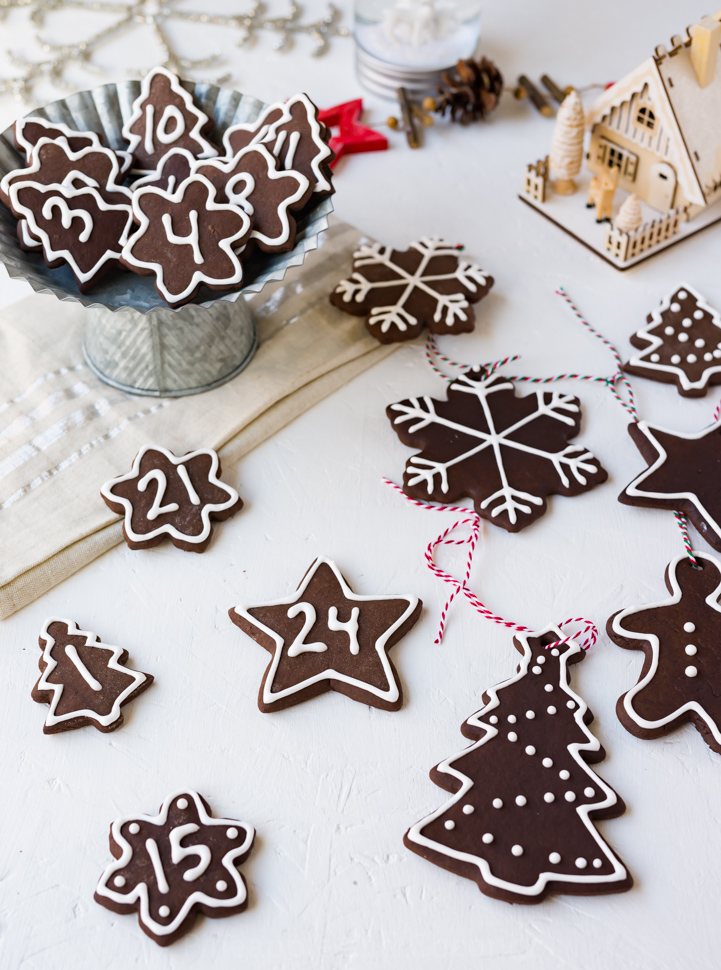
(132, 340)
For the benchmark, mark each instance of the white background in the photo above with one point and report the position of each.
(331, 785)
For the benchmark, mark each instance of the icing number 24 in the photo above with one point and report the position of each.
(350, 627)
(157, 508)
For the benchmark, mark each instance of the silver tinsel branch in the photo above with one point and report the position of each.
(152, 14)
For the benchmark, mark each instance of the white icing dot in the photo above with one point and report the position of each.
(691, 358)
(570, 796)
(530, 749)
(698, 314)
(669, 331)
(589, 792)
(521, 800)
(517, 850)
(133, 828)
(717, 353)
(655, 358)
(687, 321)
(536, 670)
(708, 357)
(555, 652)
(493, 719)
(689, 627)
(511, 718)
(547, 763)
(512, 736)
(690, 671)
(497, 803)
(597, 863)
(691, 650)
(549, 797)
(581, 863)
(564, 774)
(570, 705)
(450, 824)
(164, 911)
(675, 359)
(551, 709)
(675, 307)
(548, 687)
(232, 833)
(119, 881)
(682, 338)
(682, 294)
(530, 715)
(468, 809)
(487, 838)
(699, 343)
(221, 885)
(554, 858)
(541, 659)
(182, 803)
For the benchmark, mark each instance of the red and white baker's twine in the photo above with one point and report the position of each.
(588, 630)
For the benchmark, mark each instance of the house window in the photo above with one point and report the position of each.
(614, 156)
(646, 118)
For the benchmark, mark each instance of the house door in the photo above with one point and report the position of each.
(661, 186)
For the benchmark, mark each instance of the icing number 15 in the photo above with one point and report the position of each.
(350, 627)
(157, 508)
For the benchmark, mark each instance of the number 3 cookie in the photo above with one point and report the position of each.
(163, 495)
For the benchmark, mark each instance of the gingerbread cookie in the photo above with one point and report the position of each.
(681, 475)
(681, 641)
(163, 116)
(326, 637)
(186, 239)
(681, 344)
(163, 495)
(77, 227)
(252, 181)
(83, 680)
(174, 865)
(521, 819)
(174, 169)
(27, 241)
(507, 453)
(402, 291)
(246, 133)
(29, 131)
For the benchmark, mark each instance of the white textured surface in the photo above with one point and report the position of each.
(331, 785)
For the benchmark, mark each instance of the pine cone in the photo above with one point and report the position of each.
(469, 91)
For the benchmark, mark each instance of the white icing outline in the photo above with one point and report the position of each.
(137, 112)
(52, 254)
(654, 643)
(641, 359)
(257, 127)
(126, 158)
(198, 276)
(25, 174)
(168, 529)
(224, 165)
(635, 492)
(149, 180)
(28, 241)
(67, 215)
(593, 744)
(140, 891)
(138, 677)
(390, 695)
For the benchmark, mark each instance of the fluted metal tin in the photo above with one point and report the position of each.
(133, 340)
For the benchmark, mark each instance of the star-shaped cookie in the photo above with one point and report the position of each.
(326, 637)
(681, 639)
(683, 475)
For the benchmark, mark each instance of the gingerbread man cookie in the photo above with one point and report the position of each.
(326, 637)
(83, 680)
(681, 641)
(171, 866)
(186, 239)
(164, 116)
(164, 495)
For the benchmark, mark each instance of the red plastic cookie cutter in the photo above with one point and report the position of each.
(351, 137)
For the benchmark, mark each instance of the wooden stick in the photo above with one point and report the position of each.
(535, 95)
(408, 119)
(558, 94)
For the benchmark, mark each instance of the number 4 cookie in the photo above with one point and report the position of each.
(163, 495)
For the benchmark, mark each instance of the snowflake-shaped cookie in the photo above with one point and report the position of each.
(681, 344)
(172, 865)
(402, 291)
(507, 453)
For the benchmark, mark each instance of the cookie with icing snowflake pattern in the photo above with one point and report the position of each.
(326, 637)
(681, 344)
(171, 866)
(402, 291)
(680, 638)
(29, 130)
(83, 680)
(164, 116)
(166, 495)
(186, 239)
(252, 182)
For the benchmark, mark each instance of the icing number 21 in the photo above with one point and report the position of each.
(350, 627)
(157, 508)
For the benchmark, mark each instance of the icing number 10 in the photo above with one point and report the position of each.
(170, 114)
(157, 508)
(350, 627)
